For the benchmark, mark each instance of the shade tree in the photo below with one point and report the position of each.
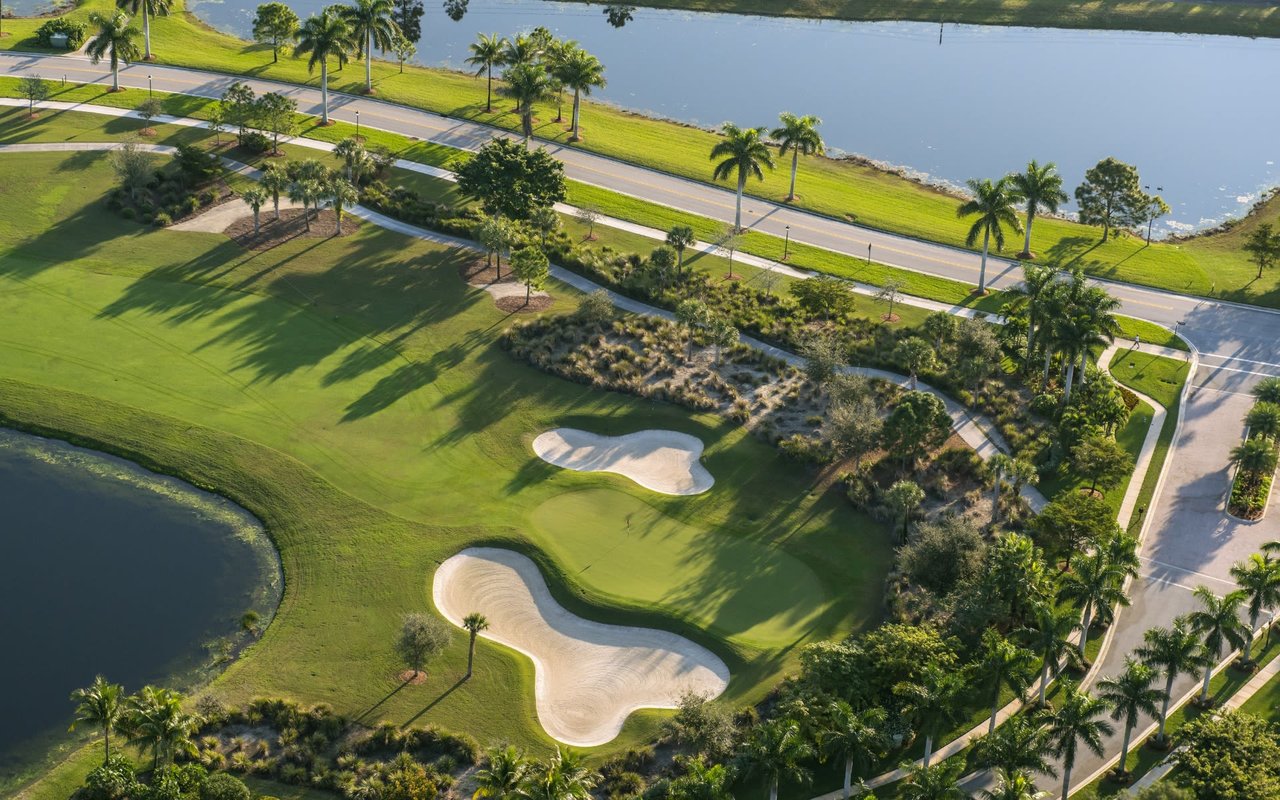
(274, 24)
(1111, 196)
(511, 181)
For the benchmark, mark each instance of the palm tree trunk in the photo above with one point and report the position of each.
(795, 164)
(773, 789)
(1031, 341)
(995, 709)
(1066, 781)
(1044, 681)
(982, 274)
(1248, 643)
(1031, 216)
(1084, 354)
(471, 650)
(368, 62)
(276, 197)
(848, 777)
(576, 103)
(995, 499)
(488, 95)
(742, 185)
(324, 91)
(337, 213)
(255, 222)
(1164, 708)
(928, 749)
(146, 31)
(1122, 767)
(1048, 357)
(1071, 374)
(106, 744)
(1204, 688)
(1084, 626)
(115, 74)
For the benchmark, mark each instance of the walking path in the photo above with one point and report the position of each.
(1236, 339)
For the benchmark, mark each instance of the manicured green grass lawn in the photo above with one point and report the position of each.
(1238, 19)
(349, 392)
(840, 189)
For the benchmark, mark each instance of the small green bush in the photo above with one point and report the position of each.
(162, 220)
(75, 31)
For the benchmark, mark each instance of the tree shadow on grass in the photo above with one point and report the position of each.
(365, 714)
(440, 698)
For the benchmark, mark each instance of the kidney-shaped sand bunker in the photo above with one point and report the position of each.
(664, 461)
(589, 676)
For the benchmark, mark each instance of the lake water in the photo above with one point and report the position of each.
(1190, 111)
(108, 569)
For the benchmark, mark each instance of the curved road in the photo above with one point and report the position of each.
(1232, 339)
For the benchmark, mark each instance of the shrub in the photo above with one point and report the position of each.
(128, 213)
(75, 31)
(222, 786)
(162, 219)
(255, 142)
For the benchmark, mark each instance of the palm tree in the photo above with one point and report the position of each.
(933, 702)
(702, 782)
(323, 37)
(373, 24)
(1218, 621)
(1130, 695)
(505, 773)
(1175, 650)
(523, 49)
(1037, 283)
(798, 135)
(1096, 585)
(561, 777)
(474, 623)
(1040, 188)
(99, 704)
(745, 153)
(341, 195)
(156, 721)
(998, 465)
(1077, 720)
(276, 181)
(776, 750)
(1255, 457)
(486, 51)
(528, 84)
(1098, 326)
(1050, 639)
(1018, 746)
(159, 8)
(1001, 664)
(855, 736)
(1259, 578)
(115, 40)
(993, 204)
(1264, 420)
(1013, 786)
(940, 782)
(255, 197)
(581, 72)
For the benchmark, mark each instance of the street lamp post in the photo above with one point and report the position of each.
(868, 254)
(357, 126)
(786, 245)
(150, 94)
(1151, 213)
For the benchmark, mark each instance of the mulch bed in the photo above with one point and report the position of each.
(412, 677)
(480, 273)
(290, 226)
(517, 305)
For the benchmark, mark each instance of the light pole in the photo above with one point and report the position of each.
(868, 254)
(150, 94)
(1151, 212)
(357, 125)
(786, 245)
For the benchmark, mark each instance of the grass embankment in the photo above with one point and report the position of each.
(612, 204)
(844, 190)
(349, 393)
(1231, 19)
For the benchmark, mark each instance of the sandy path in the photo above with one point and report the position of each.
(664, 461)
(589, 676)
(220, 217)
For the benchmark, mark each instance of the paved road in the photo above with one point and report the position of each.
(1232, 339)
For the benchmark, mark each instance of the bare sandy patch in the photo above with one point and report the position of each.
(507, 294)
(663, 461)
(221, 217)
(589, 677)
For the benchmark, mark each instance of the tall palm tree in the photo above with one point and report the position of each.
(155, 721)
(743, 151)
(1040, 189)
(1175, 650)
(325, 36)
(581, 72)
(939, 782)
(1218, 621)
(933, 702)
(115, 40)
(1130, 695)
(528, 84)
(776, 750)
(1099, 327)
(797, 135)
(486, 51)
(1259, 578)
(276, 181)
(159, 8)
(372, 24)
(1020, 745)
(1254, 457)
(1097, 585)
(855, 736)
(475, 622)
(99, 704)
(1002, 664)
(1049, 637)
(341, 195)
(503, 775)
(1013, 786)
(1037, 282)
(523, 49)
(563, 776)
(992, 203)
(1077, 720)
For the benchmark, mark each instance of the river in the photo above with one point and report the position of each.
(108, 569)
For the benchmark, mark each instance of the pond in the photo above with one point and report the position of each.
(980, 103)
(108, 569)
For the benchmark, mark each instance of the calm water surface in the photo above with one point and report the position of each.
(109, 569)
(1190, 111)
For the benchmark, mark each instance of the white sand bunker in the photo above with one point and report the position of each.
(664, 461)
(589, 677)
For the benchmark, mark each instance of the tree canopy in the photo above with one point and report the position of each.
(511, 181)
